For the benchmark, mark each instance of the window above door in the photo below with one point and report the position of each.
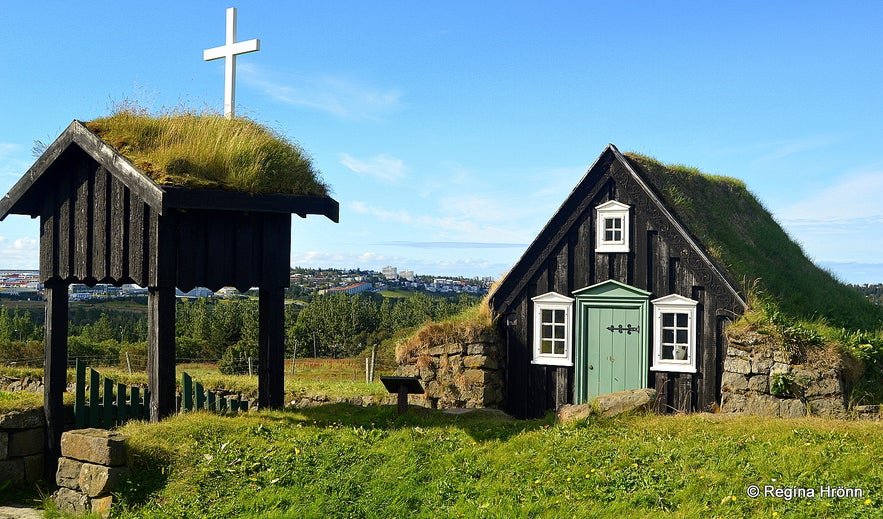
(552, 329)
(612, 227)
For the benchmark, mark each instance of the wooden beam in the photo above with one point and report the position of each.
(271, 348)
(161, 351)
(55, 371)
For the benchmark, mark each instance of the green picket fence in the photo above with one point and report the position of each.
(194, 397)
(116, 405)
(119, 403)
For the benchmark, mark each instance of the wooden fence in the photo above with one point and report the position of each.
(196, 398)
(118, 403)
(107, 409)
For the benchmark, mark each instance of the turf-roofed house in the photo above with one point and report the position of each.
(176, 200)
(633, 281)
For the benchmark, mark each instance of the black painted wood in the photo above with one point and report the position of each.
(271, 348)
(663, 259)
(55, 369)
(161, 351)
(103, 220)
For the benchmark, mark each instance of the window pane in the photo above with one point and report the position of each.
(682, 337)
(559, 348)
(682, 320)
(547, 331)
(559, 316)
(559, 332)
(547, 316)
(546, 347)
(668, 352)
(668, 319)
(668, 336)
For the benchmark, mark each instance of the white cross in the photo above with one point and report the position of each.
(230, 50)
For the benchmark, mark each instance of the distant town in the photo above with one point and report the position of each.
(25, 284)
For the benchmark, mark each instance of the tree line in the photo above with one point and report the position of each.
(332, 325)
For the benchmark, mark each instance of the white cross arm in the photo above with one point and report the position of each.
(232, 49)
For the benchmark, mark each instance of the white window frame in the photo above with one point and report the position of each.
(612, 211)
(552, 301)
(674, 304)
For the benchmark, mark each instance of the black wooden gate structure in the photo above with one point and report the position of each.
(104, 221)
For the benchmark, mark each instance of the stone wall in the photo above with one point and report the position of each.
(765, 381)
(22, 443)
(93, 464)
(458, 373)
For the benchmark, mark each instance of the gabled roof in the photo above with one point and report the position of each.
(554, 231)
(24, 197)
(729, 229)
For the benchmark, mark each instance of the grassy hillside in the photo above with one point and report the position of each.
(208, 151)
(343, 461)
(743, 237)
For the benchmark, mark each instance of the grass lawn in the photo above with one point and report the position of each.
(346, 461)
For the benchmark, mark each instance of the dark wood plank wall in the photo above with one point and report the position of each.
(659, 262)
(94, 229)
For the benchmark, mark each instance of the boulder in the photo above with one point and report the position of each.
(569, 413)
(94, 446)
(613, 404)
(623, 402)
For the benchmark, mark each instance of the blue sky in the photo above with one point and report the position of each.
(451, 131)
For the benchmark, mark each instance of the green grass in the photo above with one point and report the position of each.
(207, 151)
(19, 401)
(344, 461)
(744, 238)
(343, 378)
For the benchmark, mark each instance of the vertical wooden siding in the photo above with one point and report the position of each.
(94, 229)
(660, 262)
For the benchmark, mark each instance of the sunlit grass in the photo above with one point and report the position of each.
(208, 151)
(345, 461)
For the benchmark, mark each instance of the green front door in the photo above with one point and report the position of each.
(615, 350)
(612, 350)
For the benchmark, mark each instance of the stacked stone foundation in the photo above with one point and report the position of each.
(92, 466)
(458, 373)
(22, 440)
(765, 382)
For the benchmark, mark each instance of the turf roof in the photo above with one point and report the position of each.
(207, 151)
(742, 236)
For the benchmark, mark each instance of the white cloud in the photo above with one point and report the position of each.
(842, 222)
(21, 253)
(343, 97)
(456, 226)
(11, 163)
(382, 167)
(778, 150)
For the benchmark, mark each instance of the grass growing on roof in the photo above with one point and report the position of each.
(208, 151)
(743, 237)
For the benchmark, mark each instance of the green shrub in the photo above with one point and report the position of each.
(235, 359)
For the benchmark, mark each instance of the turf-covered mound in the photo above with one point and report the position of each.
(208, 151)
(744, 238)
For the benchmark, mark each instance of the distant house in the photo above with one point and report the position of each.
(356, 288)
(632, 282)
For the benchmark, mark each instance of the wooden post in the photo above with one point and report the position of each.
(271, 347)
(403, 399)
(161, 351)
(55, 371)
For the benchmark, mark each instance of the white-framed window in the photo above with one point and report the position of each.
(552, 329)
(612, 225)
(674, 334)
